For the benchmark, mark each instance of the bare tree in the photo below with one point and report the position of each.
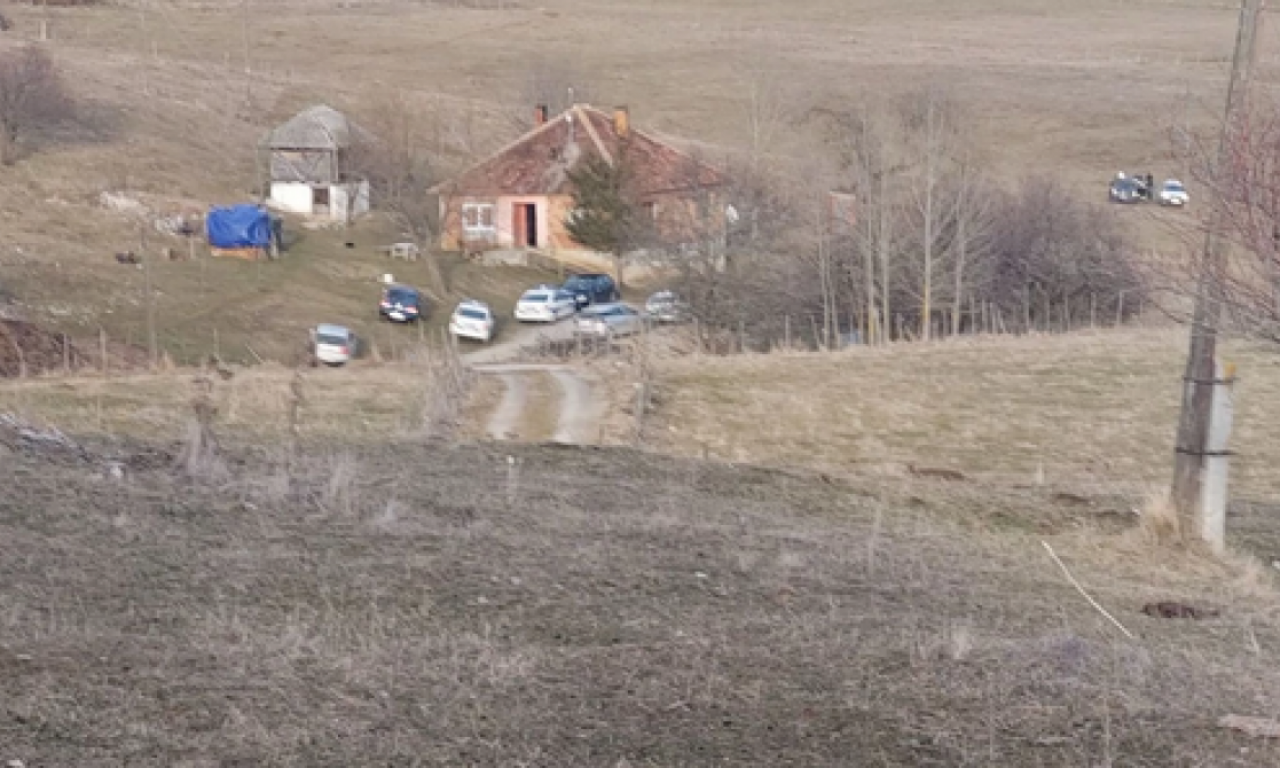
(929, 234)
(931, 128)
(1240, 205)
(1051, 256)
(974, 224)
(874, 159)
(390, 151)
(553, 84)
(33, 98)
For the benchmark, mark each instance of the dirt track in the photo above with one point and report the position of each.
(581, 406)
(503, 420)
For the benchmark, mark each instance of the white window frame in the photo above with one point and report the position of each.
(477, 213)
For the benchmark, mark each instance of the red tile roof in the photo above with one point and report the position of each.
(538, 162)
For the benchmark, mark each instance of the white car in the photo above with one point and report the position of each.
(666, 307)
(473, 320)
(1173, 193)
(604, 321)
(545, 304)
(334, 344)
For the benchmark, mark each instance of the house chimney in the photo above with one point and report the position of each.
(621, 122)
(540, 115)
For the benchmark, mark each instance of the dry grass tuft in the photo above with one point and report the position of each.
(200, 456)
(1158, 519)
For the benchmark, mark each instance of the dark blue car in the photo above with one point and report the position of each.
(401, 304)
(591, 288)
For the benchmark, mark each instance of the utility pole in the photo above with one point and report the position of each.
(1200, 377)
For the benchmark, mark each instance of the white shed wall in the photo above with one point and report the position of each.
(292, 197)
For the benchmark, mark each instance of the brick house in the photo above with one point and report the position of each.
(519, 197)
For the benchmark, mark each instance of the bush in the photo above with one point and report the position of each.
(33, 98)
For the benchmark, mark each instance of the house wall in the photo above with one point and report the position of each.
(453, 236)
(679, 219)
(348, 201)
(506, 220)
(292, 197)
(558, 209)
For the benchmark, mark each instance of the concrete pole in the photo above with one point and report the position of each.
(1213, 484)
(1193, 426)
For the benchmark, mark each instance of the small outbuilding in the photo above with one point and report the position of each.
(310, 166)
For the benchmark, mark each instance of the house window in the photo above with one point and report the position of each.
(477, 217)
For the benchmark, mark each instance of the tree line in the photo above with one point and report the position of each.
(907, 234)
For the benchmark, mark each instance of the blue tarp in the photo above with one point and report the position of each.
(238, 226)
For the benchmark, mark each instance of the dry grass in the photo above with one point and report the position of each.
(1089, 416)
(1087, 408)
(358, 403)
(1073, 89)
(395, 606)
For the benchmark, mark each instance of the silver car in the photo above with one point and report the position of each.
(333, 344)
(603, 321)
(544, 305)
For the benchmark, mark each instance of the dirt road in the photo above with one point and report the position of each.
(580, 406)
(503, 421)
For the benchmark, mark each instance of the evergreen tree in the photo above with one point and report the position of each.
(604, 216)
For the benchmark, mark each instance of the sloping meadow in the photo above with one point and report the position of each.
(418, 605)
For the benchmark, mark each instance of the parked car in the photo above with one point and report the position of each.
(402, 304)
(592, 288)
(1127, 190)
(473, 320)
(604, 321)
(666, 307)
(333, 344)
(1173, 193)
(544, 304)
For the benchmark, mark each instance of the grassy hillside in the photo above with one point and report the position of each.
(1089, 415)
(176, 95)
(413, 606)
